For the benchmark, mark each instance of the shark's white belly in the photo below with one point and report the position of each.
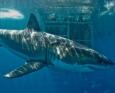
(73, 67)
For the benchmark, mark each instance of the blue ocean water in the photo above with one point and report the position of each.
(55, 80)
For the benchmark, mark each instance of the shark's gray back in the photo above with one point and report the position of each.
(30, 44)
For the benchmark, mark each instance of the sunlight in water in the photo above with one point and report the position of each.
(10, 14)
(109, 8)
(109, 5)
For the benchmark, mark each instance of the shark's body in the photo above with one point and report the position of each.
(41, 49)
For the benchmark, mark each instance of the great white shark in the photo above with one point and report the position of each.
(41, 49)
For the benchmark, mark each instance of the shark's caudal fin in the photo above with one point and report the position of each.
(33, 23)
(25, 69)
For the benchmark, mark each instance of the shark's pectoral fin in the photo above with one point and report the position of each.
(25, 69)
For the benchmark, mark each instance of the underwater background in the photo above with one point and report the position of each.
(90, 22)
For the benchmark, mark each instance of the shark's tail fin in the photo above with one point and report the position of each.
(33, 23)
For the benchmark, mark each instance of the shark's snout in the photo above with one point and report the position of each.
(106, 62)
(109, 62)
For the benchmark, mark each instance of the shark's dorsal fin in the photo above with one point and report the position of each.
(33, 23)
